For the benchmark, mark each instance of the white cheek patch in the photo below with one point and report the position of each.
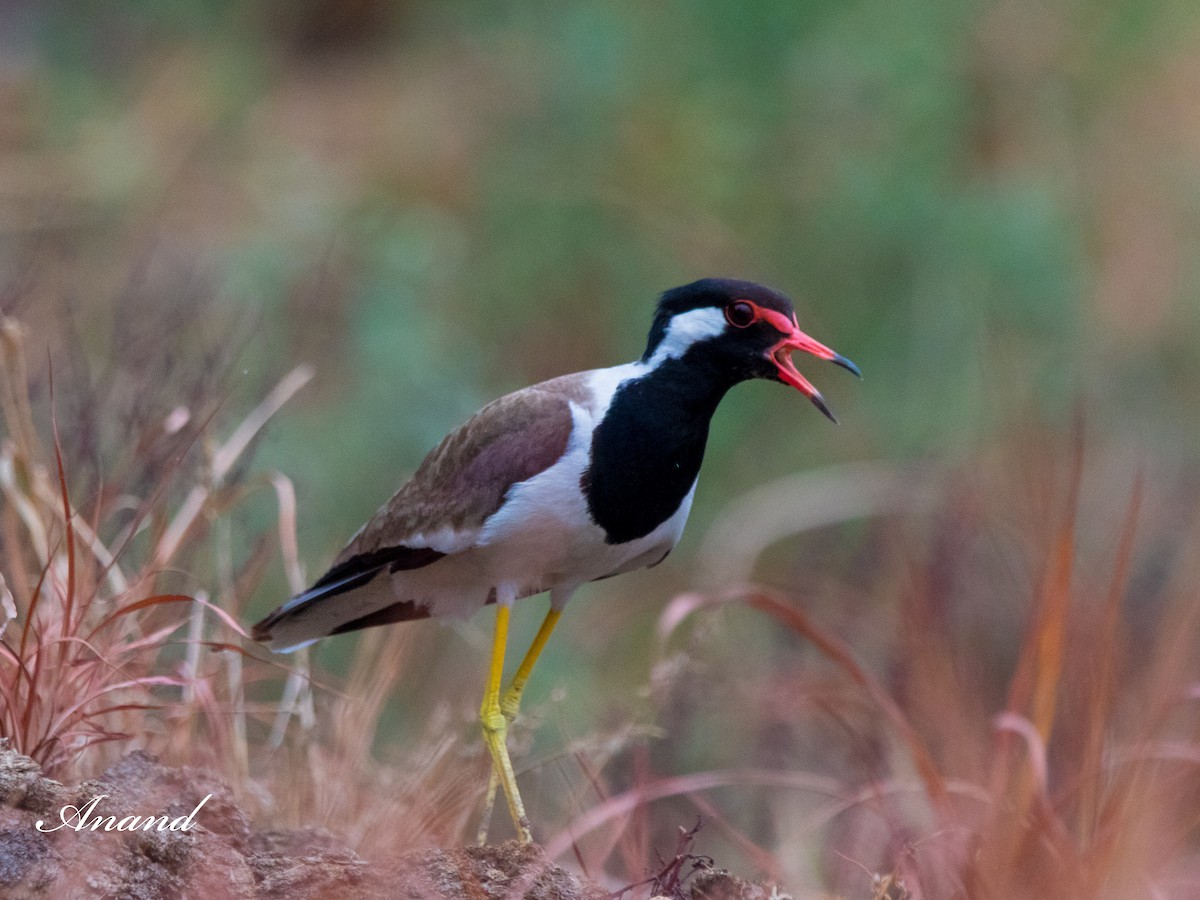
(687, 329)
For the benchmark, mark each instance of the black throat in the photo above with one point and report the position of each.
(647, 450)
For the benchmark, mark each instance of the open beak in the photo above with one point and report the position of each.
(781, 356)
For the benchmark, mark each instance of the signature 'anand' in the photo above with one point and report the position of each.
(85, 818)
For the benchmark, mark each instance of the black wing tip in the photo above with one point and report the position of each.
(367, 565)
(402, 611)
(354, 573)
(263, 630)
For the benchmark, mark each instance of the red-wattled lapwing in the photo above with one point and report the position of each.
(568, 481)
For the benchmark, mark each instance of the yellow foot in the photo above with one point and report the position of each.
(496, 714)
(510, 707)
(489, 803)
(495, 734)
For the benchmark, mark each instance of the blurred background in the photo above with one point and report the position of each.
(992, 207)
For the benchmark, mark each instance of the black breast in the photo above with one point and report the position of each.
(647, 450)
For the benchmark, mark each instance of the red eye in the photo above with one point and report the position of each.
(740, 314)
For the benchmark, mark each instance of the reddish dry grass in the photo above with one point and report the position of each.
(1058, 758)
(990, 702)
(96, 660)
(92, 653)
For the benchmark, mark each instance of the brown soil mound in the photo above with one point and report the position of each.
(224, 856)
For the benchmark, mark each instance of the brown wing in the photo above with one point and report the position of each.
(464, 480)
(457, 487)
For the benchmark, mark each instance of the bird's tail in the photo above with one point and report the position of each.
(350, 596)
(333, 608)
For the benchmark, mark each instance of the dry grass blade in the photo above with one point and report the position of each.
(18, 411)
(840, 654)
(1109, 647)
(762, 860)
(1035, 684)
(1042, 687)
(1033, 691)
(68, 624)
(620, 805)
(229, 452)
(224, 458)
(8, 606)
(285, 493)
(803, 502)
(296, 700)
(144, 603)
(26, 512)
(95, 657)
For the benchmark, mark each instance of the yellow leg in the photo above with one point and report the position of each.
(495, 728)
(509, 706)
(510, 703)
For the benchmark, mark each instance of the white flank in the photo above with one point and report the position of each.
(687, 329)
(445, 540)
(541, 538)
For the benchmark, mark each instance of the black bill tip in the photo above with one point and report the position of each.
(819, 402)
(847, 365)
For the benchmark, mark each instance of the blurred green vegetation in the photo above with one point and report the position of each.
(993, 208)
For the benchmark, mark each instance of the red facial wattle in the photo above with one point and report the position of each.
(794, 339)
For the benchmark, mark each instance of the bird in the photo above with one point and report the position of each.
(578, 478)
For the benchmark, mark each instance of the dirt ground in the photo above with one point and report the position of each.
(225, 856)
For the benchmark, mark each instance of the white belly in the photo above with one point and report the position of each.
(541, 538)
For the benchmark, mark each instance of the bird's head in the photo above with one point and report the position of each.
(741, 329)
